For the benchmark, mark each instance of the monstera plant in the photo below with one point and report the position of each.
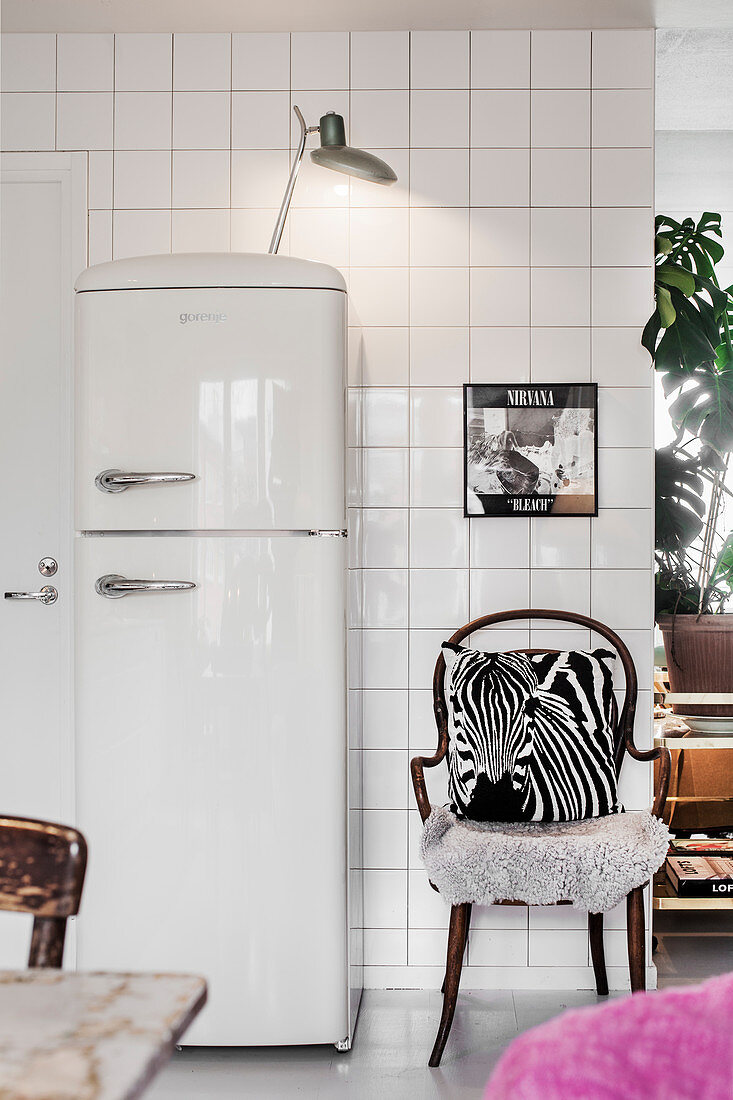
(689, 339)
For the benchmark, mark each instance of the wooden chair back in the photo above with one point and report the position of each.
(42, 869)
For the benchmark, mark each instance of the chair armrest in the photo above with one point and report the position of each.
(661, 785)
(418, 781)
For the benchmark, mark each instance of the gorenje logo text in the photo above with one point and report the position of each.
(212, 318)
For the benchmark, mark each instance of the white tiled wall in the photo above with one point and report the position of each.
(515, 246)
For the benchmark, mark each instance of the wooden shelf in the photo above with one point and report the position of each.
(693, 741)
(665, 897)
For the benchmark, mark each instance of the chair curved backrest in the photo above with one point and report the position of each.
(622, 725)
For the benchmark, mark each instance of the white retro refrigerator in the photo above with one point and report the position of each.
(210, 636)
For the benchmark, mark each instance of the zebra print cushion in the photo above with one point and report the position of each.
(530, 737)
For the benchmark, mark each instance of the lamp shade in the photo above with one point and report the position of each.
(334, 153)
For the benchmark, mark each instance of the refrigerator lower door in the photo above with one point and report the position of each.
(212, 776)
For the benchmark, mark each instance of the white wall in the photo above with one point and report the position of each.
(516, 246)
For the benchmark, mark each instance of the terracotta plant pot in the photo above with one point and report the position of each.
(699, 658)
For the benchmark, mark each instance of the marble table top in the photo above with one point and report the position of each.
(66, 1035)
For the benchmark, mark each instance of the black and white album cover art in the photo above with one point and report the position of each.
(530, 450)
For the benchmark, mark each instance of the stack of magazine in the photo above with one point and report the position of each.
(701, 868)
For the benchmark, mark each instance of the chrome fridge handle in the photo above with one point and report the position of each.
(116, 481)
(47, 595)
(114, 585)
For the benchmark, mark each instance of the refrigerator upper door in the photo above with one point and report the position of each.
(211, 783)
(227, 402)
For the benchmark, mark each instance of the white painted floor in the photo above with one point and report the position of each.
(396, 1030)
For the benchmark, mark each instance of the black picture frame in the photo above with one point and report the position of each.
(535, 458)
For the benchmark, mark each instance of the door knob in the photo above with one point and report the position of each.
(114, 585)
(47, 595)
(116, 481)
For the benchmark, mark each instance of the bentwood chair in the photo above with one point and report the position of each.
(623, 740)
(42, 869)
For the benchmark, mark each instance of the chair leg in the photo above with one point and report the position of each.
(597, 954)
(457, 933)
(635, 937)
(468, 926)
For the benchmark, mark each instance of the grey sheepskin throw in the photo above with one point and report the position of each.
(592, 863)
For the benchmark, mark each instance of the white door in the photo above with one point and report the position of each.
(42, 245)
(212, 776)
(252, 406)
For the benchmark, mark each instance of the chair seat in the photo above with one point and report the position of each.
(592, 863)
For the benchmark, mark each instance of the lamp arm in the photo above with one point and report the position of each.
(285, 206)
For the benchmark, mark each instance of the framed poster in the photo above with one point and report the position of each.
(530, 449)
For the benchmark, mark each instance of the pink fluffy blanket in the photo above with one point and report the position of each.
(655, 1046)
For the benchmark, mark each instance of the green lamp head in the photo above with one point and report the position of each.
(334, 153)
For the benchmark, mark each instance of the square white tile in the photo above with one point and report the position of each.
(500, 296)
(501, 639)
(385, 780)
(261, 62)
(500, 59)
(201, 230)
(436, 417)
(499, 177)
(438, 238)
(561, 543)
(385, 713)
(497, 589)
(622, 598)
(438, 539)
(622, 177)
(141, 232)
(438, 177)
(385, 946)
(252, 230)
(201, 178)
(622, 296)
(439, 59)
(386, 417)
(625, 477)
(318, 187)
(561, 589)
(561, 238)
(384, 598)
(385, 658)
(385, 839)
(498, 947)
(85, 63)
(427, 909)
(258, 178)
(560, 119)
(201, 62)
(386, 477)
(623, 59)
(497, 543)
(425, 646)
(422, 733)
(380, 119)
(385, 537)
(500, 119)
(561, 637)
(28, 121)
(625, 417)
(493, 348)
(379, 296)
(623, 118)
(438, 356)
(142, 180)
(84, 120)
(142, 120)
(436, 479)
(320, 59)
(143, 62)
(321, 235)
(379, 238)
(619, 359)
(560, 296)
(100, 236)
(439, 296)
(561, 355)
(28, 62)
(260, 120)
(438, 597)
(385, 899)
(379, 356)
(561, 59)
(622, 538)
(313, 105)
(426, 947)
(201, 120)
(439, 119)
(380, 59)
(623, 238)
(490, 917)
(560, 177)
(499, 238)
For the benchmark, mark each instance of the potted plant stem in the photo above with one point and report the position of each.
(689, 339)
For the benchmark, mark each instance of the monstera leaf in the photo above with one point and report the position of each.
(680, 508)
